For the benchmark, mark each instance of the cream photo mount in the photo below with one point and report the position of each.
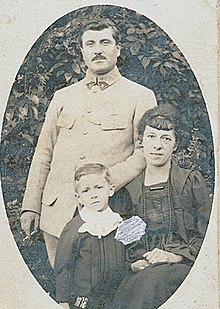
(192, 25)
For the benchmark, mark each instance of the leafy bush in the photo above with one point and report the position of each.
(148, 57)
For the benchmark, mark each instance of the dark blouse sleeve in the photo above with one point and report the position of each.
(67, 251)
(135, 251)
(196, 207)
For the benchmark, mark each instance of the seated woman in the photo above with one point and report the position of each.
(175, 206)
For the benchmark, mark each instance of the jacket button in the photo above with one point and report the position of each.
(95, 89)
(82, 157)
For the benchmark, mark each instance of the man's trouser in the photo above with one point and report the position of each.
(51, 243)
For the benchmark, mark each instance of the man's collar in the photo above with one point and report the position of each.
(106, 79)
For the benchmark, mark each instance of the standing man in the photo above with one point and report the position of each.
(94, 120)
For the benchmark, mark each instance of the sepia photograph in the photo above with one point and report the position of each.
(109, 123)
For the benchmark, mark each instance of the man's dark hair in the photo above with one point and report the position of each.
(99, 25)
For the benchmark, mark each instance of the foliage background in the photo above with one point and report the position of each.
(148, 57)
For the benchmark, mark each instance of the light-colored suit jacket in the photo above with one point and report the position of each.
(84, 126)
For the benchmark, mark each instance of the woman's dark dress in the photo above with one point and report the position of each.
(176, 214)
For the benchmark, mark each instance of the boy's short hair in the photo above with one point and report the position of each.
(93, 168)
(98, 25)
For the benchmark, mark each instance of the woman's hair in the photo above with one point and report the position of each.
(92, 168)
(162, 117)
(98, 25)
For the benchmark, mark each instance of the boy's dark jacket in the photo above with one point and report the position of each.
(104, 262)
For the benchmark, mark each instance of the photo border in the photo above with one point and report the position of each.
(17, 38)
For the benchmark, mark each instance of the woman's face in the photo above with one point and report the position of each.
(158, 146)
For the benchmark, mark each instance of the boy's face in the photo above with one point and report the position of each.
(93, 192)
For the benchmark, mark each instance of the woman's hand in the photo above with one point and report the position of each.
(139, 265)
(161, 256)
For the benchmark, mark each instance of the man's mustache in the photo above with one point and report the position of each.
(98, 57)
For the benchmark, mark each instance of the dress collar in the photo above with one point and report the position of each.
(177, 177)
(104, 81)
(99, 223)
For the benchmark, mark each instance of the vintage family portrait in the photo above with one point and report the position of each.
(108, 161)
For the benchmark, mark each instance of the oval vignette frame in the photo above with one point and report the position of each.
(34, 87)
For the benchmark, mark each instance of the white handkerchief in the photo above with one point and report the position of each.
(130, 230)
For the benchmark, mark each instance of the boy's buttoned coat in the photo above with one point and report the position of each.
(85, 124)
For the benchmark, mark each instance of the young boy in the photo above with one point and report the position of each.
(89, 261)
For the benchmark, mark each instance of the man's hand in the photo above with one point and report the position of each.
(26, 222)
(64, 305)
(139, 265)
(161, 256)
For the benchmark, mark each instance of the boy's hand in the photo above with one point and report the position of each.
(65, 305)
(139, 265)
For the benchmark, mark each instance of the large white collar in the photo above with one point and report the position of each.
(99, 223)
